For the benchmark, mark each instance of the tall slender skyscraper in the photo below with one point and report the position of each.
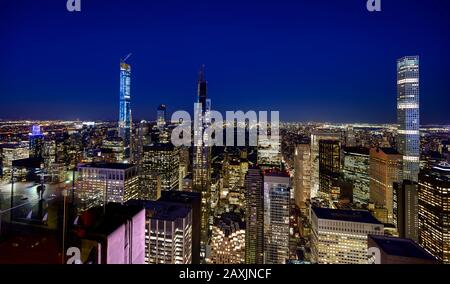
(125, 105)
(408, 141)
(201, 165)
(254, 216)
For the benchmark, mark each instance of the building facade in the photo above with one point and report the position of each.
(408, 115)
(356, 171)
(101, 183)
(384, 168)
(228, 240)
(125, 107)
(302, 175)
(254, 216)
(434, 211)
(340, 236)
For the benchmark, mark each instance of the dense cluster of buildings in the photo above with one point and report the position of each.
(324, 193)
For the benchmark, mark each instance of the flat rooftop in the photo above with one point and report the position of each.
(112, 166)
(357, 216)
(401, 247)
(162, 210)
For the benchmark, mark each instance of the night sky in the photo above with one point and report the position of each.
(313, 60)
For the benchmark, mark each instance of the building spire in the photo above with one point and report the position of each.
(201, 74)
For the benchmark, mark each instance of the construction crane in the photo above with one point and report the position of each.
(127, 57)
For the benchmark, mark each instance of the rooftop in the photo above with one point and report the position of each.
(357, 216)
(357, 150)
(400, 247)
(113, 166)
(162, 210)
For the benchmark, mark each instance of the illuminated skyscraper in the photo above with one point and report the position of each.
(434, 211)
(302, 176)
(254, 217)
(160, 170)
(384, 172)
(276, 217)
(168, 232)
(201, 172)
(125, 106)
(356, 171)
(408, 117)
(329, 166)
(228, 240)
(36, 142)
(315, 139)
(161, 116)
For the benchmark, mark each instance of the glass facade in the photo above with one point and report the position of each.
(408, 141)
(125, 106)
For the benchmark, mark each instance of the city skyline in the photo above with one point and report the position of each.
(274, 65)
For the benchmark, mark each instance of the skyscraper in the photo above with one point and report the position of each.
(125, 106)
(160, 170)
(384, 172)
(228, 240)
(315, 138)
(254, 217)
(276, 217)
(302, 176)
(161, 116)
(201, 172)
(329, 166)
(408, 118)
(36, 142)
(434, 211)
(168, 232)
(356, 171)
(406, 207)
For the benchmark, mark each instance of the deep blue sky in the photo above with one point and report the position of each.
(320, 60)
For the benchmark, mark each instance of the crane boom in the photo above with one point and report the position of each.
(127, 57)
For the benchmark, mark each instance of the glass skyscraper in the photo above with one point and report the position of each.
(125, 106)
(408, 140)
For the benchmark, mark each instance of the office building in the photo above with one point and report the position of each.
(160, 170)
(168, 232)
(125, 121)
(302, 175)
(192, 199)
(269, 151)
(329, 167)
(101, 183)
(356, 171)
(201, 167)
(276, 244)
(384, 169)
(434, 211)
(111, 235)
(228, 240)
(161, 116)
(11, 152)
(392, 250)
(254, 216)
(340, 236)
(316, 137)
(406, 208)
(113, 150)
(36, 142)
(408, 116)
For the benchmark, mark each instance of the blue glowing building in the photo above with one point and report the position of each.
(125, 106)
(36, 138)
